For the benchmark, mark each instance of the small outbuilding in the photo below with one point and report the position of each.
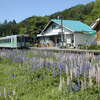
(67, 33)
(96, 26)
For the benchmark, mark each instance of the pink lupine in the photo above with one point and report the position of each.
(98, 74)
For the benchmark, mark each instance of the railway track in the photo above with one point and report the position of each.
(54, 49)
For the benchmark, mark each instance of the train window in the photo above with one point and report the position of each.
(5, 41)
(9, 40)
(26, 39)
(12, 39)
(23, 39)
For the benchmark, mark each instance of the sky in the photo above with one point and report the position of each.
(21, 9)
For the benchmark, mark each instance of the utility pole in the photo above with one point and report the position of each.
(62, 32)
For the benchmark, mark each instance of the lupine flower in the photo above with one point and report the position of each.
(73, 64)
(60, 69)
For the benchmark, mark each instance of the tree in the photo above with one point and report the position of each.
(8, 28)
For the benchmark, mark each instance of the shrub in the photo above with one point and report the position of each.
(94, 47)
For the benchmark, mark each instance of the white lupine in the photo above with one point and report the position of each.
(75, 71)
(98, 74)
(90, 78)
(5, 93)
(82, 85)
(13, 92)
(71, 74)
(61, 83)
(66, 70)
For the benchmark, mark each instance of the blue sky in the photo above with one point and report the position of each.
(21, 9)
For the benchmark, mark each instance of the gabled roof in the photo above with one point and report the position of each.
(72, 25)
(75, 26)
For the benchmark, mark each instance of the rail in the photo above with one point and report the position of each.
(66, 50)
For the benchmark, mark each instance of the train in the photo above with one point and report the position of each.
(15, 41)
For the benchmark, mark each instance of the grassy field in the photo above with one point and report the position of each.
(19, 82)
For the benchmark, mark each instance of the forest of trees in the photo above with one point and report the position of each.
(33, 25)
(8, 28)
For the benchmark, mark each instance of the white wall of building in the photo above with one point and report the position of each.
(68, 38)
(55, 30)
(78, 38)
(52, 30)
(83, 39)
(98, 42)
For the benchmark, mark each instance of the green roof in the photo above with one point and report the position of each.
(75, 26)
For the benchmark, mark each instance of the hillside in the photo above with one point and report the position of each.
(78, 12)
(32, 25)
(95, 13)
(35, 24)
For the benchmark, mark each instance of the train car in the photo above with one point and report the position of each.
(15, 41)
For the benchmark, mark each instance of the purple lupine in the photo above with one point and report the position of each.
(14, 75)
(54, 69)
(48, 66)
(60, 68)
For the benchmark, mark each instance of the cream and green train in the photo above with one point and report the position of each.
(15, 41)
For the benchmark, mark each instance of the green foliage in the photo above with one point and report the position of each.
(89, 47)
(32, 25)
(96, 11)
(94, 47)
(79, 12)
(38, 84)
(8, 28)
(2, 98)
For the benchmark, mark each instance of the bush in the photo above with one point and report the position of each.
(93, 47)
(82, 46)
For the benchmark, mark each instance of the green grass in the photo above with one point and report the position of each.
(37, 85)
(94, 47)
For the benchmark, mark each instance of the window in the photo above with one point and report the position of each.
(26, 39)
(5, 40)
(22, 39)
(53, 26)
(72, 38)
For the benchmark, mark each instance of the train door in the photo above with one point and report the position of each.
(26, 41)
